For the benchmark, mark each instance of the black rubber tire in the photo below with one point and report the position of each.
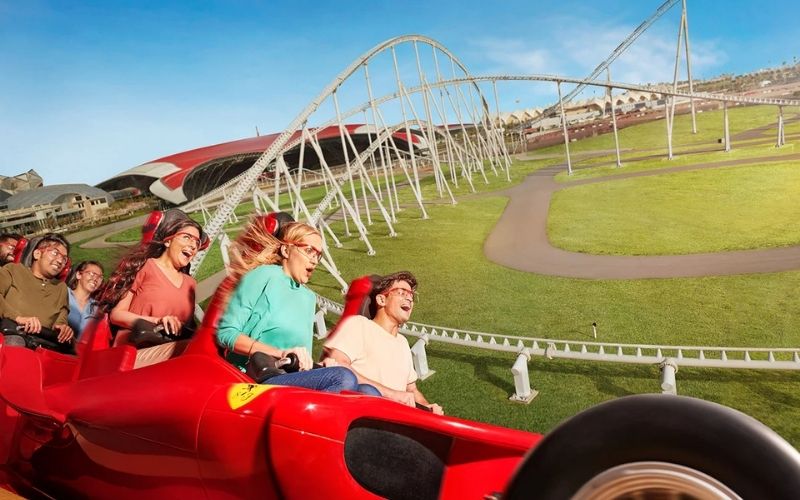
(731, 447)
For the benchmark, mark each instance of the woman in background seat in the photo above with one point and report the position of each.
(85, 278)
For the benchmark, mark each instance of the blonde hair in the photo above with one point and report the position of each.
(256, 247)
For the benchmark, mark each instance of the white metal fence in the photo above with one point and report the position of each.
(668, 358)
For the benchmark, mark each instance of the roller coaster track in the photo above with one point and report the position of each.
(288, 145)
(622, 47)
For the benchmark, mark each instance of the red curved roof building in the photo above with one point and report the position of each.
(186, 176)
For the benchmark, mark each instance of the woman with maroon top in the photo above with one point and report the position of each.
(152, 283)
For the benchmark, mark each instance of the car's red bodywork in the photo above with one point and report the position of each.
(195, 427)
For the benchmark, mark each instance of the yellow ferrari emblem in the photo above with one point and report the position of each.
(241, 394)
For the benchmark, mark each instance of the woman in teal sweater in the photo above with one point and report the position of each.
(271, 310)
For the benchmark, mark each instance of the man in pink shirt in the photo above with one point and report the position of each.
(374, 350)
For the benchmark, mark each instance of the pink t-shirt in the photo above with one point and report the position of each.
(155, 295)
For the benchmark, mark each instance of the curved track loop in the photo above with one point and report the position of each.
(418, 120)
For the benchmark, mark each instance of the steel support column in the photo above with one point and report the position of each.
(668, 119)
(727, 130)
(613, 117)
(685, 19)
(564, 127)
(781, 137)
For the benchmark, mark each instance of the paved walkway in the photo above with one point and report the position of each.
(101, 232)
(519, 240)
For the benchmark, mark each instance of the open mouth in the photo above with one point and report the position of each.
(188, 253)
(406, 307)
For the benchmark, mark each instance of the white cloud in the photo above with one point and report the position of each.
(650, 58)
(515, 56)
(574, 47)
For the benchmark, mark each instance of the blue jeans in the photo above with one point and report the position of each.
(369, 389)
(333, 379)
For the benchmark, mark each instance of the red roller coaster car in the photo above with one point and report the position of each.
(91, 426)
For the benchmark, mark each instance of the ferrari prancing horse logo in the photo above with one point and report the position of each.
(241, 394)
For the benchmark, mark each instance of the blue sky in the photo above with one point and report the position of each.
(91, 88)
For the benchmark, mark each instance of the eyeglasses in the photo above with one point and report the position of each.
(188, 238)
(54, 253)
(309, 251)
(403, 292)
(92, 275)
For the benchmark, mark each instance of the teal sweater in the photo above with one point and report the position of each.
(270, 307)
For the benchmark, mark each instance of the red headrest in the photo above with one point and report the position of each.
(274, 222)
(204, 340)
(157, 219)
(62, 276)
(20, 249)
(359, 296)
(150, 225)
(271, 223)
(96, 335)
(358, 299)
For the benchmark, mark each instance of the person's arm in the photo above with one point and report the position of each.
(29, 324)
(63, 302)
(121, 315)
(239, 310)
(343, 359)
(419, 398)
(6, 280)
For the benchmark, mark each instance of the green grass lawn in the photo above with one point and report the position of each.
(108, 257)
(654, 134)
(642, 153)
(602, 166)
(728, 208)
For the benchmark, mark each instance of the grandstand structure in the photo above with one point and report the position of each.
(427, 125)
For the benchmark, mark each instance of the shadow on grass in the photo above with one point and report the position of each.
(486, 368)
(482, 366)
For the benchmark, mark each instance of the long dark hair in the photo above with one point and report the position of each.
(120, 281)
(72, 279)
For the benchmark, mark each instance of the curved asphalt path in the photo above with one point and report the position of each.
(519, 240)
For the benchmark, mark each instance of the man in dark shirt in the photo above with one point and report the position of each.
(7, 243)
(34, 297)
